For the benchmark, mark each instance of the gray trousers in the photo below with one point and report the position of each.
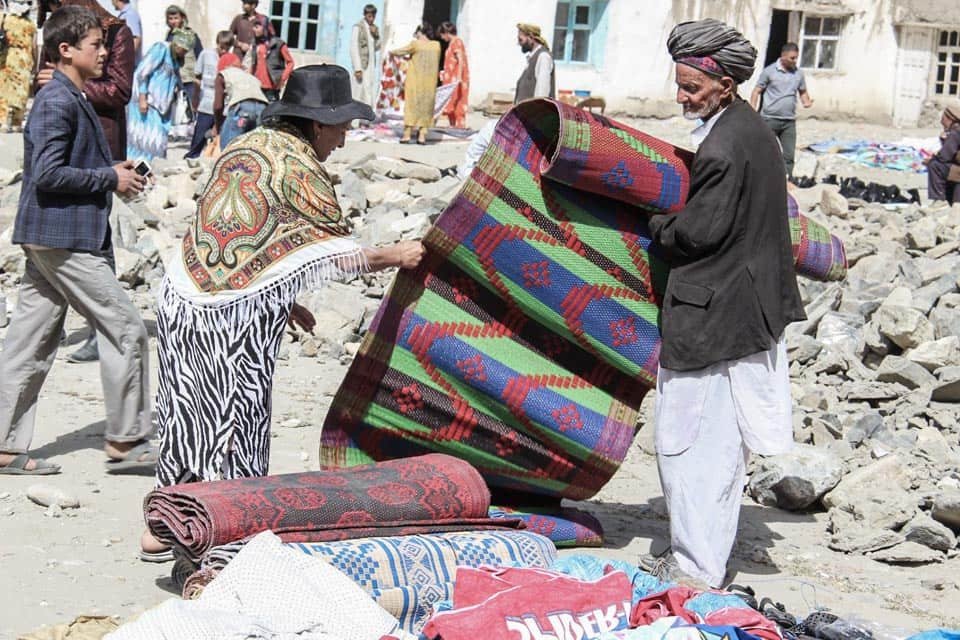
(786, 132)
(56, 279)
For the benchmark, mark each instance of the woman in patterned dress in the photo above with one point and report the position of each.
(455, 69)
(16, 63)
(155, 84)
(268, 226)
(420, 84)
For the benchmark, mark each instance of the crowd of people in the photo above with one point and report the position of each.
(269, 226)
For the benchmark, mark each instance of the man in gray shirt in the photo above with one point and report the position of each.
(779, 85)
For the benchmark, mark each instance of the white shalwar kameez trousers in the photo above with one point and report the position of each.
(707, 423)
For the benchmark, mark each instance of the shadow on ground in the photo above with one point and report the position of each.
(625, 524)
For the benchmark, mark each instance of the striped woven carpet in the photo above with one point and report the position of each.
(528, 336)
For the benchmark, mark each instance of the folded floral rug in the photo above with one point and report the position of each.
(424, 494)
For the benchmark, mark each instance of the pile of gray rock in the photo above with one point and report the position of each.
(386, 200)
(875, 372)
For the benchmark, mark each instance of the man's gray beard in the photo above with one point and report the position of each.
(707, 110)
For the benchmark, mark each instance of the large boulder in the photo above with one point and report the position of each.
(946, 508)
(926, 531)
(935, 354)
(415, 171)
(797, 479)
(922, 234)
(889, 472)
(900, 369)
(834, 204)
(903, 325)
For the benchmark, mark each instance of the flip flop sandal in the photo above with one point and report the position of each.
(746, 593)
(776, 612)
(18, 467)
(157, 556)
(135, 461)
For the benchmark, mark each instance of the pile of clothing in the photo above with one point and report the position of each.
(898, 157)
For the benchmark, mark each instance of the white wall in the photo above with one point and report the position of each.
(637, 74)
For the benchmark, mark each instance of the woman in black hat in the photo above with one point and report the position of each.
(268, 227)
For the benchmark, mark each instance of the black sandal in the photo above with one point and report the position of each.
(746, 593)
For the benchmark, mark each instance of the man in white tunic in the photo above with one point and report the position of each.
(723, 386)
(364, 41)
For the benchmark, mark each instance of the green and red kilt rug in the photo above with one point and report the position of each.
(528, 336)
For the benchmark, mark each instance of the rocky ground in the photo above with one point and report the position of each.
(862, 518)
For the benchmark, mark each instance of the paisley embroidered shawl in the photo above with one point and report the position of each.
(268, 200)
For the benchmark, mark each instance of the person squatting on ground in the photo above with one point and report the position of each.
(268, 227)
(779, 84)
(62, 225)
(538, 79)
(943, 169)
(723, 386)
(420, 84)
(364, 43)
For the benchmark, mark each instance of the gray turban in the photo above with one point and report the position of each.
(713, 47)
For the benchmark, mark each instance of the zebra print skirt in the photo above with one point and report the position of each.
(215, 388)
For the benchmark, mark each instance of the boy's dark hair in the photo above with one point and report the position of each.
(370, 9)
(225, 39)
(789, 47)
(68, 24)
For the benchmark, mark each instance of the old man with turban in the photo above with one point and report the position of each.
(538, 79)
(723, 387)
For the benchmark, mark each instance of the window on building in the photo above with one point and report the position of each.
(298, 23)
(573, 29)
(947, 80)
(818, 41)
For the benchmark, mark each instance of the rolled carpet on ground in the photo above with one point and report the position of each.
(424, 494)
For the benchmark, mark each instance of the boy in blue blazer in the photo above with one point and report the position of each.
(62, 224)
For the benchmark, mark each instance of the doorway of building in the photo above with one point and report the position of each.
(779, 35)
(437, 12)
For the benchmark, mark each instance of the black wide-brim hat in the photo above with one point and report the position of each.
(319, 92)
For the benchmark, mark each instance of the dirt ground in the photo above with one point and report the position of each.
(83, 561)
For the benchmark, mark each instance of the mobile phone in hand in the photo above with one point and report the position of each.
(142, 168)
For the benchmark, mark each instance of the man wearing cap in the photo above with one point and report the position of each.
(943, 168)
(268, 227)
(538, 79)
(723, 386)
